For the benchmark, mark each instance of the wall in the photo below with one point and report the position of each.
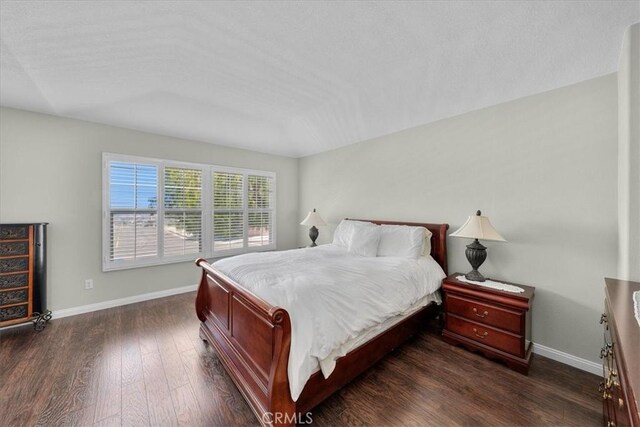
(543, 168)
(629, 156)
(51, 170)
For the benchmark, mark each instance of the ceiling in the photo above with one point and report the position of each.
(296, 78)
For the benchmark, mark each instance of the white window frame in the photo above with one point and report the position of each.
(207, 249)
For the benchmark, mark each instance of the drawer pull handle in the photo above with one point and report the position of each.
(606, 351)
(621, 402)
(483, 336)
(604, 387)
(484, 314)
(611, 424)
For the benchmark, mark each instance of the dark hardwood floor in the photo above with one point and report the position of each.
(144, 364)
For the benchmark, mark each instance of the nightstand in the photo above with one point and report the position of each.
(493, 322)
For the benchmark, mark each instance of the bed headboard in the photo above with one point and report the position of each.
(438, 237)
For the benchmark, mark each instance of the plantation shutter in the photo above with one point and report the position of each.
(133, 214)
(260, 210)
(228, 211)
(162, 211)
(182, 211)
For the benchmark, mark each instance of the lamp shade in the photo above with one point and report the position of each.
(478, 227)
(313, 219)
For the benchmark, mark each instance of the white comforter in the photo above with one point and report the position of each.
(331, 296)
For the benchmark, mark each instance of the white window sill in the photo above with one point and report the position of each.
(115, 266)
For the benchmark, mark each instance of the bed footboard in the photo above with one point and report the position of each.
(252, 339)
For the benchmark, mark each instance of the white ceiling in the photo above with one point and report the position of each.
(296, 78)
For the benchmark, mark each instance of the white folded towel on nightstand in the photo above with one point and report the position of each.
(494, 285)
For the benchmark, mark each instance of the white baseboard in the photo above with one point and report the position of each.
(568, 359)
(57, 314)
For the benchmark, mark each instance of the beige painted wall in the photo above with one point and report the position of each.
(50, 170)
(543, 168)
(629, 156)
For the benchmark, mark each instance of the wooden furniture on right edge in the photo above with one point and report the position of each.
(23, 275)
(493, 322)
(620, 386)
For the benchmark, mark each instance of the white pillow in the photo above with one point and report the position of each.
(426, 251)
(342, 235)
(402, 241)
(365, 237)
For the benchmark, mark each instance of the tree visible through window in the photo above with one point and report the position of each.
(182, 211)
(259, 210)
(228, 211)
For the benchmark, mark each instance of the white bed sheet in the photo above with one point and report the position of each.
(329, 363)
(332, 297)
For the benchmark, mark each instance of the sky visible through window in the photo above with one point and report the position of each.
(133, 186)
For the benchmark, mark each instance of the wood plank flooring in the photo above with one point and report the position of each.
(144, 365)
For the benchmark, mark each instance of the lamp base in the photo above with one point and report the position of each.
(313, 235)
(476, 254)
(475, 276)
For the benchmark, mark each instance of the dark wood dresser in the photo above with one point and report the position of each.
(620, 387)
(493, 322)
(23, 274)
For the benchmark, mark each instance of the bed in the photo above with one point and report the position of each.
(253, 338)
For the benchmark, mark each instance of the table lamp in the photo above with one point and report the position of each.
(314, 220)
(477, 227)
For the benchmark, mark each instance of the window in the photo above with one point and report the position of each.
(133, 216)
(205, 211)
(228, 211)
(259, 210)
(182, 211)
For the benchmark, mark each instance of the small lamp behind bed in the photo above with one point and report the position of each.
(314, 220)
(477, 227)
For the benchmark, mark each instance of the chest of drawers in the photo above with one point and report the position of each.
(492, 322)
(620, 386)
(22, 272)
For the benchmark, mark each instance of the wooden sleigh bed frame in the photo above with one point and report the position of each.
(252, 339)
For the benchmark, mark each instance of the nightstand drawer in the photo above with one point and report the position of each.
(484, 313)
(486, 335)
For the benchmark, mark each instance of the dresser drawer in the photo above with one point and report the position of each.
(11, 313)
(486, 335)
(14, 297)
(14, 248)
(8, 281)
(488, 314)
(9, 265)
(14, 232)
